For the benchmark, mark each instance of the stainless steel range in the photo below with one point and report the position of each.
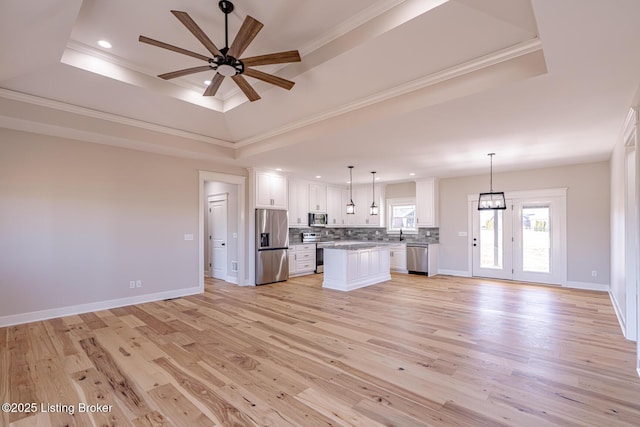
(313, 237)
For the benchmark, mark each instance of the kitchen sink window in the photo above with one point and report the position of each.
(402, 215)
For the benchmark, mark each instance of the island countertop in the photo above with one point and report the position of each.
(355, 246)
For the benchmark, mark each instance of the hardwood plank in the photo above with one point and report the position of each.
(225, 413)
(92, 321)
(178, 409)
(117, 380)
(22, 387)
(443, 351)
(4, 373)
(96, 391)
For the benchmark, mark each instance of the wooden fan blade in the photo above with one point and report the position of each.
(248, 31)
(186, 71)
(214, 85)
(245, 87)
(163, 45)
(272, 58)
(196, 31)
(269, 78)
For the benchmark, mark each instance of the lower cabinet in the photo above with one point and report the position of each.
(398, 258)
(302, 259)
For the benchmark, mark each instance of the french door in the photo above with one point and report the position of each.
(525, 242)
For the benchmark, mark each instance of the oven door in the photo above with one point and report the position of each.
(319, 259)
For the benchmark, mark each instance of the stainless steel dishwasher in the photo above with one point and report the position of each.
(418, 258)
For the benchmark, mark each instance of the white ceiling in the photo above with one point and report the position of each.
(397, 86)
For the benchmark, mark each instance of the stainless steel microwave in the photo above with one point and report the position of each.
(318, 219)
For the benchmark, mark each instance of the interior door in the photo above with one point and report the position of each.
(492, 242)
(218, 238)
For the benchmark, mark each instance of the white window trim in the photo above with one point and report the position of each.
(399, 201)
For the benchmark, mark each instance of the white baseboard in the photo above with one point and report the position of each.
(232, 279)
(616, 309)
(459, 273)
(587, 286)
(35, 316)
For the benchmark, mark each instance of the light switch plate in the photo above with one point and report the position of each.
(188, 237)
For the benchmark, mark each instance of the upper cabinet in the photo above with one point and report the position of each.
(335, 208)
(271, 190)
(362, 198)
(298, 203)
(317, 198)
(427, 203)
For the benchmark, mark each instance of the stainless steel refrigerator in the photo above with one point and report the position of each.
(272, 242)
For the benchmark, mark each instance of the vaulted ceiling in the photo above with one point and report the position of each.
(398, 86)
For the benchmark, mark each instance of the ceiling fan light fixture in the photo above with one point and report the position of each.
(227, 70)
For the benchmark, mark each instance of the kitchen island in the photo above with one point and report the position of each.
(353, 266)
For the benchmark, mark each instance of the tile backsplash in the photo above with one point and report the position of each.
(429, 235)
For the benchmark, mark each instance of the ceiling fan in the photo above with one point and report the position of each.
(225, 61)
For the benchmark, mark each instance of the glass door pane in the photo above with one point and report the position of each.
(491, 243)
(536, 239)
(491, 239)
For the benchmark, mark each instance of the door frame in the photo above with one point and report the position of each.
(240, 181)
(515, 196)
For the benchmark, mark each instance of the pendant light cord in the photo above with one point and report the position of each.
(491, 171)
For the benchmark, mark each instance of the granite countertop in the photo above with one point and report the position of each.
(353, 246)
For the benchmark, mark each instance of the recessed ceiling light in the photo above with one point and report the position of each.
(279, 169)
(207, 82)
(412, 174)
(318, 176)
(377, 178)
(105, 44)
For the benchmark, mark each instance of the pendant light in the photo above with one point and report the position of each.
(492, 200)
(373, 209)
(351, 207)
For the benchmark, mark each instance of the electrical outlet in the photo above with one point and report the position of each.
(594, 273)
(132, 284)
(138, 283)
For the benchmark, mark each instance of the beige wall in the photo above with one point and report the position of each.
(588, 228)
(78, 221)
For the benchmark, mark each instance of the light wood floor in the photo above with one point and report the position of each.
(440, 351)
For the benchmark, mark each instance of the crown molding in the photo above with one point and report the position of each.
(87, 112)
(352, 23)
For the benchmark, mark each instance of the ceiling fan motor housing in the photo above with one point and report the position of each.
(226, 65)
(225, 6)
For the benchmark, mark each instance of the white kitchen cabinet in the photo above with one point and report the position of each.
(304, 259)
(362, 197)
(398, 258)
(335, 209)
(298, 203)
(426, 203)
(317, 198)
(271, 190)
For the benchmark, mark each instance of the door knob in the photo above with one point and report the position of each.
(223, 244)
